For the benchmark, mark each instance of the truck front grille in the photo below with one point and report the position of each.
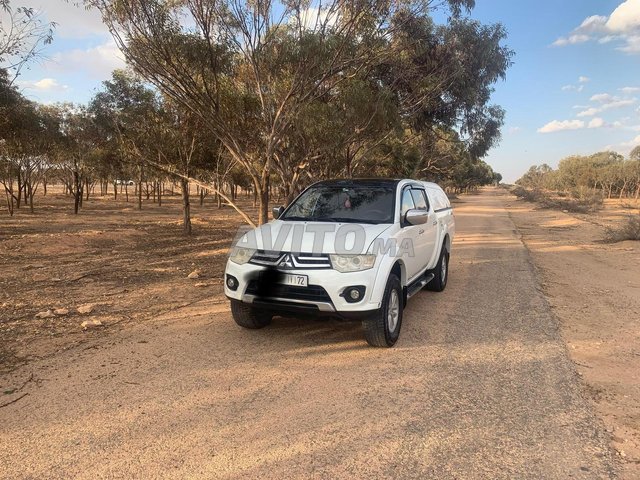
(290, 261)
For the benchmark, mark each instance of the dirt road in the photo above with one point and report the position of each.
(479, 386)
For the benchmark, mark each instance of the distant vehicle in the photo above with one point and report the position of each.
(125, 182)
(354, 249)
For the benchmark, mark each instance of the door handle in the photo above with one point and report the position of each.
(420, 232)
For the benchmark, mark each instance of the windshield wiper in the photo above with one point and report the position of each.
(349, 220)
(295, 218)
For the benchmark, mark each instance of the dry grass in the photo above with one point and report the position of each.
(580, 203)
(629, 230)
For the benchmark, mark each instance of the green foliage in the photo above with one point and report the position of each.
(605, 173)
(294, 96)
(585, 203)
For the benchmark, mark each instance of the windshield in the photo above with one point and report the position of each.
(352, 204)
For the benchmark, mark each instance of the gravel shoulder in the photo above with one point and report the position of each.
(594, 291)
(480, 385)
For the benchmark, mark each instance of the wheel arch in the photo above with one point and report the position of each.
(446, 243)
(400, 270)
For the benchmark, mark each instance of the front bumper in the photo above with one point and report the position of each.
(325, 285)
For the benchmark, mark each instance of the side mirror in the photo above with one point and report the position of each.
(277, 211)
(416, 217)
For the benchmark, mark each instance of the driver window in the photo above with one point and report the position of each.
(419, 199)
(407, 203)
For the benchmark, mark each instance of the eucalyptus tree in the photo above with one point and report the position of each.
(123, 111)
(248, 69)
(23, 36)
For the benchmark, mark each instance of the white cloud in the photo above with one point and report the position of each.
(43, 85)
(625, 18)
(633, 44)
(514, 130)
(629, 89)
(607, 39)
(607, 102)
(596, 122)
(590, 112)
(315, 19)
(622, 25)
(73, 20)
(592, 24)
(618, 103)
(97, 62)
(601, 97)
(557, 126)
(571, 40)
(576, 88)
(626, 147)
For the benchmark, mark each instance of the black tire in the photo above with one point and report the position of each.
(249, 317)
(376, 327)
(439, 282)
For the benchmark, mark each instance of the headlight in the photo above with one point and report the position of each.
(352, 263)
(241, 255)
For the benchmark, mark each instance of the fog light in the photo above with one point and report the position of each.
(353, 294)
(232, 282)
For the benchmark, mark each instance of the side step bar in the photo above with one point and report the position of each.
(419, 284)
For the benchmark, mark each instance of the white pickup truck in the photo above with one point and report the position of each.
(353, 249)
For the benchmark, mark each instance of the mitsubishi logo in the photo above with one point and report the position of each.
(286, 261)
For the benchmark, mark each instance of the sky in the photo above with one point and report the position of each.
(574, 87)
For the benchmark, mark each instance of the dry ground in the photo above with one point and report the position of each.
(480, 384)
(594, 289)
(132, 265)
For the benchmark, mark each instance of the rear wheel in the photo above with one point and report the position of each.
(382, 329)
(441, 272)
(249, 317)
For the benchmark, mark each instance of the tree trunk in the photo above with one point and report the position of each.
(9, 196)
(186, 207)
(19, 199)
(77, 194)
(31, 192)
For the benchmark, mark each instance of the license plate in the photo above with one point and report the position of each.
(298, 280)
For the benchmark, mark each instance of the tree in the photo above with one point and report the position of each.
(77, 150)
(123, 112)
(23, 35)
(249, 70)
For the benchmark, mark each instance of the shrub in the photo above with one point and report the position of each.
(582, 203)
(526, 194)
(629, 230)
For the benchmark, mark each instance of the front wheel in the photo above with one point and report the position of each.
(441, 272)
(382, 329)
(249, 317)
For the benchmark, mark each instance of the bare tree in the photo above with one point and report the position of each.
(23, 36)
